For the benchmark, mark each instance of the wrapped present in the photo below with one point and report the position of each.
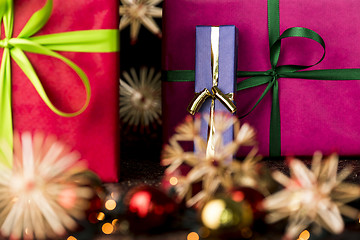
(215, 77)
(59, 75)
(304, 100)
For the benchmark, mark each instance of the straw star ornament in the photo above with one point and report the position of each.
(140, 12)
(44, 194)
(317, 195)
(140, 98)
(217, 172)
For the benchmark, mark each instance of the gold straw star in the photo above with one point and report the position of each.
(44, 193)
(140, 98)
(215, 172)
(317, 195)
(137, 12)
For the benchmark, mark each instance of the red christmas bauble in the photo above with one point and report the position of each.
(148, 208)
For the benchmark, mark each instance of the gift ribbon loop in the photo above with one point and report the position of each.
(102, 40)
(198, 101)
(200, 97)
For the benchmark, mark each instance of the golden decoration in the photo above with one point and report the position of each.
(140, 12)
(140, 98)
(46, 191)
(317, 195)
(216, 172)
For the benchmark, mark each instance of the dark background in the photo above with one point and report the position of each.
(140, 150)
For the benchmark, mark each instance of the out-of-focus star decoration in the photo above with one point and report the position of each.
(45, 192)
(140, 98)
(217, 172)
(137, 12)
(318, 195)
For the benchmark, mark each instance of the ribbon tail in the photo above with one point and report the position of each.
(275, 127)
(6, 126)
(252, 82)
(267, 89)
(9, 18)
(327, 74)
(101, 40)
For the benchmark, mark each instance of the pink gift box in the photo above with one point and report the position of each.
(93, 133)
(315, 114)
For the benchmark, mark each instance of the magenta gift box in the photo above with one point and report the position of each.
(315, 114)
(94, 133)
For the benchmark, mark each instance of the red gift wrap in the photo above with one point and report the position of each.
(94, 133)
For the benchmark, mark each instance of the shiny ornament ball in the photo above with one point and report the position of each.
(148, 209)
(224, 215)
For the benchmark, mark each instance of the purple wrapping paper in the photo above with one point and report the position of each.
(228, 38)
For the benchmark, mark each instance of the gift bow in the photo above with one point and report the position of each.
(102, 40)
(271, 77)
(200, 97)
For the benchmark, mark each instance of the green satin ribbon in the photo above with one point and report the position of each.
(270, 77)
(102, 40)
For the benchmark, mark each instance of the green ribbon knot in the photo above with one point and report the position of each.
(276, 72)
(102, 40)
(4, 43)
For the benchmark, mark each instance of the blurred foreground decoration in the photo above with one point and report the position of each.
(317, 195)
(215, 173)
(47, 190)
(140, 12)
(140, 98)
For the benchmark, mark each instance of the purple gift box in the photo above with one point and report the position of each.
(314, 114)
(215, 73)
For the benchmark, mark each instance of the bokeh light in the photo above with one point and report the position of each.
(192, 236)
(110, 204)
(107, 228)
(211, 214)
(100, 216)
(114, 222)
(71, 238)
(305, 235)
(173, 181)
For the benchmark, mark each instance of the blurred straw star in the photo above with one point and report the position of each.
(215, 172)
(137, 12)
(317, 195)
(44, 194)
(140, 98)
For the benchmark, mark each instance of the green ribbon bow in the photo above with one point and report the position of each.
(271, 77)
(103, 40)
